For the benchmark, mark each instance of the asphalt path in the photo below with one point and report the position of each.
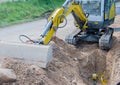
(33, 30)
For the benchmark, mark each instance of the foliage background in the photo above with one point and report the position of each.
(20, 11)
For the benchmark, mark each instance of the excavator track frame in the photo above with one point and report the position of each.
(105, 42)
(103, 37)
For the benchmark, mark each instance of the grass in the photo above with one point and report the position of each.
(22, 11)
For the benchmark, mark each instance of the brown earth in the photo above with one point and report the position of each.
(71, 65)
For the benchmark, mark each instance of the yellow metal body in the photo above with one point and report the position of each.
(112, 11)
(94, 77)
(56, 19)
(103, 81)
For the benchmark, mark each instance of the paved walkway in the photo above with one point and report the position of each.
(33, 30)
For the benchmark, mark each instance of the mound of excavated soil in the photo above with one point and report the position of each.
(113, 61)
(70, 66)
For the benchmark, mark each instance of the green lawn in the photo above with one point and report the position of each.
(19, 12)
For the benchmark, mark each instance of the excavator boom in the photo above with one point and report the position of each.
(58, 16)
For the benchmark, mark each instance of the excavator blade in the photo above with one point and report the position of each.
(40, 55)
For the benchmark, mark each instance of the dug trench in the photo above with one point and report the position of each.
(70, 66)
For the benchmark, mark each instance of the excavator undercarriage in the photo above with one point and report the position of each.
(103, 37)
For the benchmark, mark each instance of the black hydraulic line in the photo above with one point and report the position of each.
(29, 39)
(77, 19)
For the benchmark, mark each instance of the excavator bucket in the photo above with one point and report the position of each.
(39, 55)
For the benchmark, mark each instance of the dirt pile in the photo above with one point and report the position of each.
(63, 70)
(70, 66)
(113, 61)
(81, 62)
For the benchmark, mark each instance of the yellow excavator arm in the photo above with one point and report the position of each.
(59, 15)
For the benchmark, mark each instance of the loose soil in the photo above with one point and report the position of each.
(71, 65)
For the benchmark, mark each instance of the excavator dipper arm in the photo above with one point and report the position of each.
(58, 16)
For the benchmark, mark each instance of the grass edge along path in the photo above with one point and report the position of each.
(25, 11)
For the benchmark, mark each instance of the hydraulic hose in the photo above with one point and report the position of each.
(29, 39)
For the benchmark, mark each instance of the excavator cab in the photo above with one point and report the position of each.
(101, 13)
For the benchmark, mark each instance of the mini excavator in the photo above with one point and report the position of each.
(91, 18)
